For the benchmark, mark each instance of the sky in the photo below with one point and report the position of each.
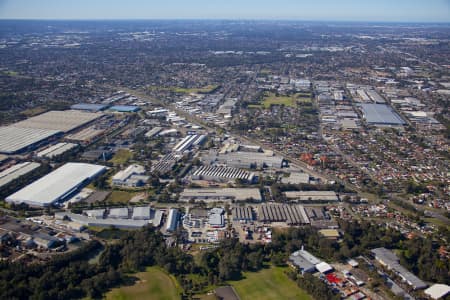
(320, 10)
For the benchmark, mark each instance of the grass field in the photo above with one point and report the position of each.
(11, 73)
(120, 196)
(204, 90)
(273, 99)
(153, 284)
(121, 157)
(268, 284)
(33, 111)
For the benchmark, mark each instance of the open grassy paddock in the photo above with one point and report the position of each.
(268, 284)
(121, 157)
(153, 284)
(120, 197)
(292, 101)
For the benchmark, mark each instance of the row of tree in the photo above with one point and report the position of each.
(71, 275)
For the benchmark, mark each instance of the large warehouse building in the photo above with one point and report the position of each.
(64, 121)
(16, 139)
(381, 115)
(28, 134)
(17, 171)
(57, 186)
(221, 194)
(312, 196)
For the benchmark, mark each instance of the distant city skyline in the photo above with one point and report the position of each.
(318, 10)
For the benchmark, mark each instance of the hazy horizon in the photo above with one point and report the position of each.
(400, 11)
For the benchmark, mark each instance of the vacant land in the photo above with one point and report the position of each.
(121, 157)
(153, 284)
(271, 283)
(120, 197)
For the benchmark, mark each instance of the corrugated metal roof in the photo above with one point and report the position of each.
(381, 114)
(13, 139)
(89, 106)
(16, 171)
(65, 121)
(56, 185)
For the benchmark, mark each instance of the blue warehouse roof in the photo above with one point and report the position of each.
(89, 106)
(124, 108)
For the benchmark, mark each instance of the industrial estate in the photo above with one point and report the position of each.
(206, 150)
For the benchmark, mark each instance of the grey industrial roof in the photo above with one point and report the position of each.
(214, 193)
(216, 220)
(381, 114)
(392, 261)
(245, 159)
(56, 185)
(296, 178)
(65, 121)
(119, 223)
(120, 212)
(14, 139)
(16, 171)
(172, 220)
(312, 195)
(141, 212)
(56, 150)
(304, 260)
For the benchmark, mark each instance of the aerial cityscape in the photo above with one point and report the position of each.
(238, 153)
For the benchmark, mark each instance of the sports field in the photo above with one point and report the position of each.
(272, 99)
(153, 284)
(268, 284)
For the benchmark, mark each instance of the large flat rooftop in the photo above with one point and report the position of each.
(64, 121)
(17, 139)
(312, 195)
(57, 185)
(239, 194)
(381, 114)
(17, 171)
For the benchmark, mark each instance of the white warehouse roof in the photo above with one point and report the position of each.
(437, 291)
(14, 139)
(57, 185)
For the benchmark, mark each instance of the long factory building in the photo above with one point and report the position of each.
(17, 171)
(16, 139)
(221, 194)
(28, 134)
(291, 214)
(57, 186)
(222, 174)
(56, 150)
(188, 142)
(312, 196)
(242, 213)
(246, 160)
